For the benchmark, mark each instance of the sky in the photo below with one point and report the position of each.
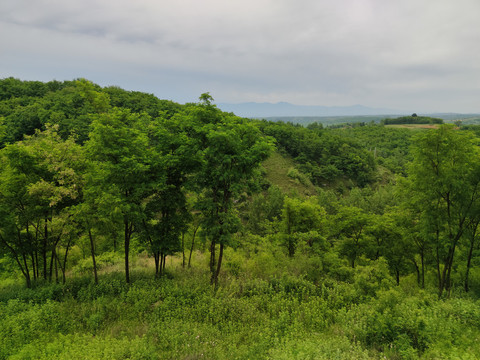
(409, 55)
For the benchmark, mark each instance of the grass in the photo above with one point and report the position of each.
(277, 167)
(268, 306)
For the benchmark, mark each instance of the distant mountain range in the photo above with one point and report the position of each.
(282, 109)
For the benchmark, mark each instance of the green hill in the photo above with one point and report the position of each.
(137, 228)
(281, 171)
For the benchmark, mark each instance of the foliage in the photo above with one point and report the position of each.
(279, 317)
(348, 242)
(323, 156)
(389, 147)
(444, 186)
(414, 119)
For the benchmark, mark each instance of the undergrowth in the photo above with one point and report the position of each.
(287, 316)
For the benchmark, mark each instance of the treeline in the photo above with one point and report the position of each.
(414, 119)
(89, 166)
(321, 154)
(111, 166)
(107, 170)
(26, 106)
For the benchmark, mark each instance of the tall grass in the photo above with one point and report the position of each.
(267, 307)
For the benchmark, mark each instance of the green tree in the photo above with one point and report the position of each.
(173, 159)
(231, 151)
(444, 182)
(389, 240)
(415, 236)
(39, 183)
(351, 228)
(298, 219)
(265, 211)
(118, 151)
(472, 235)
(3, 131)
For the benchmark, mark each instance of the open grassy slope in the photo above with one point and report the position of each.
(278, 167)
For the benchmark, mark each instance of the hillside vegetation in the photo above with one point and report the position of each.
(138, 228)
(414, 119)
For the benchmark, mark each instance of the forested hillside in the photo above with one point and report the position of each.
(134, 227)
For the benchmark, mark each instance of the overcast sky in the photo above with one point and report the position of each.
(410, 55)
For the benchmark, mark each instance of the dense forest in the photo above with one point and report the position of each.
(413, 119)
(138, 228)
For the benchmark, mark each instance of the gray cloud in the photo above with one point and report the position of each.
(409, 54)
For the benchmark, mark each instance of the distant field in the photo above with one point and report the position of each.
(466, 119)
(330, 120)
(413, 126)
(471, 121)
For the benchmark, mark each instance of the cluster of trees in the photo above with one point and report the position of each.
(323, 155)
(421, 214)
(115, 169)
(413, 119)
(390, 147)
(117, 175)
(428, 221)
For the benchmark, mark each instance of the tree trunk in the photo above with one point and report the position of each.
(161, 263)
(439, 274)
(127, 250)
(444, 275)
(219, 265)
(422, 259)
(27, 272)
(37, 263)
(64, 267)
(212, 262)
(32, 255)
(469, 261)
(29, 281)
(473, 236)
(56, 267)
(291, 246)
(44, 249)
(447, 270)
(29, 238)
(191, 247)
(15, 255)
(156, 256)
(92, 250)
(448, 266)
(52, 259)
(183, 249)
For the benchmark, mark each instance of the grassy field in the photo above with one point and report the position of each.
(268, 306)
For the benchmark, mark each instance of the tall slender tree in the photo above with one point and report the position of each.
(231, 151)
(40, 181)
(444, 182)
(118, 150)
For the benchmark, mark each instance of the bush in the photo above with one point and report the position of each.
(371, 278)
(296, 175)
